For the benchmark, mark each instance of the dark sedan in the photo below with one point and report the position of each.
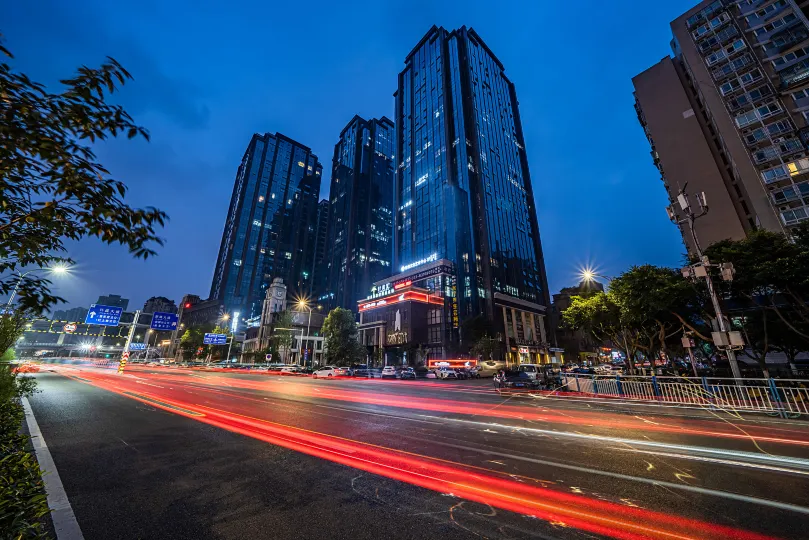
(515, 380)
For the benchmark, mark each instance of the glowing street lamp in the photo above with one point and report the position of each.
(58, 269)
(302, 304)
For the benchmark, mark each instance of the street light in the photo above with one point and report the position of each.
(302, 304)
(58, 269)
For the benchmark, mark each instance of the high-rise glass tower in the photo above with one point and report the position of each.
(361, 215)
(270, 227)
(463, 192)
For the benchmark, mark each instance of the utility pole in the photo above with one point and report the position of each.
(703, 269)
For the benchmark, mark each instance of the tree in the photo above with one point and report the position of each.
(784, 340)
(485, 347)
(283, 335)
(340, 332)
(12, 326)
(772, 273)
(52, 188)
(192, 340)
(658, 304)
(600, 316)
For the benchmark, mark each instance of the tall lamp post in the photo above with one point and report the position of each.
(302, 304)
(589, 275)
(58, 269)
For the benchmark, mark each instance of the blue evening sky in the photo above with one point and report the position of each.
(208, 74)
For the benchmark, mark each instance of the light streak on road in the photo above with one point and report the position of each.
(476, 484)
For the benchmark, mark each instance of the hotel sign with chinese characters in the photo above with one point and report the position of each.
(396, 338)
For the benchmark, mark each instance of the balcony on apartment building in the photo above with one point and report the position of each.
(751, 97)
(794, 76)
(765, 34)
(790, 194)
(721, 38)
(745, 9)
(734, 66)
(783, 148)
(703, 15)
(766, 13)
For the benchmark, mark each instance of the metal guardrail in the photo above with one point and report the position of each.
(785, 397)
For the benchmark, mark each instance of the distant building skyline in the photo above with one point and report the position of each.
(360, 217)
(159, 304)
(270, 226)
(114, 300)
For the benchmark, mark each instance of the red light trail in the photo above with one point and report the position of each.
(460, 480)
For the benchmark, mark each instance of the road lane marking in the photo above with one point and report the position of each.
(64, 520)
(747, 459)
(650, 481)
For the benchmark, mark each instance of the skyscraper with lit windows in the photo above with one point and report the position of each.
(360, 216)
(463, 191)
(270, 229)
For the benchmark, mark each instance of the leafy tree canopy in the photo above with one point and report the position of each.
(340, 332)
(52, 187)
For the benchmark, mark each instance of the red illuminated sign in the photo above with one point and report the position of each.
(455, 363)
(403, 297)
(402, 285)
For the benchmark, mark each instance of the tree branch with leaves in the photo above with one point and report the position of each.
(52, 187)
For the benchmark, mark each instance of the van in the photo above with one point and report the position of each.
(532, 370)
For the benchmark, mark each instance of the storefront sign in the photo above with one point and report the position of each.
(396, 338)
(431, 258)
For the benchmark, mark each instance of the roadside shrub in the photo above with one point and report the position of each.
(23, 503)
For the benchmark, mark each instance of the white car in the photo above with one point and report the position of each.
(388, 371)
(330, 371)
(447, 373)
(432, 374)
(287, 370)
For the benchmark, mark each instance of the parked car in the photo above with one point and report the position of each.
(447, 373)
(388, 371)
(361, 370)
(530, 369)
(489, 368)
(462, 373)
(291, 369)
(407, 373)
(330, 371)
(515, 380)
(432, 374)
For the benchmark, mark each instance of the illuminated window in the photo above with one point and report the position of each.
(261, 198)
(288, 255)
(257, 223)
(273, 195)
(237, 262)
(301, 164)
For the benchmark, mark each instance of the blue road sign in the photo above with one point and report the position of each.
(137, 346)
(103, 315)
(164, 321)
(215, 339)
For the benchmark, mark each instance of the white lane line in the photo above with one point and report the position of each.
(64, 520)
(745, 458)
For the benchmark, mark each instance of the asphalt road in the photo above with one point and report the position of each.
(172, 453)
